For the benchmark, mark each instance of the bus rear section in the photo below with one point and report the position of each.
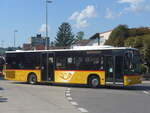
(20, 66)
(31, 67)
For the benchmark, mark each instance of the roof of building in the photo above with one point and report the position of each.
(82, 42)
(97, 35)
(94, 36)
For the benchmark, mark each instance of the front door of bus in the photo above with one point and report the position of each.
(114, 69)
(50, 66)
(47, 65)
(118, 70)
(109, 67)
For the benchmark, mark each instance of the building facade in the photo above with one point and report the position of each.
(99, 38)
(38, 40)
(36, 43)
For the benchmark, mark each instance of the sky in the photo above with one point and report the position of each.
(27, 17)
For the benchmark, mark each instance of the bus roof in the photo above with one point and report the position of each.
(76, 48)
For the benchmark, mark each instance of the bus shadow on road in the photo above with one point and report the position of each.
(132, 88)
(54, 84)
(25, 83)
(135, 87)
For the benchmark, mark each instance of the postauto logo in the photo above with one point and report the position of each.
(66, 75)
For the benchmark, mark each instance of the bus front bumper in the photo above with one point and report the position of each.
(132, 79)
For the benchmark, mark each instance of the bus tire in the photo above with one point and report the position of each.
(93, 81)
(32, 78)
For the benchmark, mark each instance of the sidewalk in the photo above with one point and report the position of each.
(24, 98)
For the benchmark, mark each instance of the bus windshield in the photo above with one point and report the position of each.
(132, 62)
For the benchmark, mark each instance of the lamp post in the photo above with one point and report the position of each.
(15, 38)
(2, 43)
(99, 40)
(46, 44)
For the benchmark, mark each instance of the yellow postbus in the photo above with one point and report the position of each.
(91, 65)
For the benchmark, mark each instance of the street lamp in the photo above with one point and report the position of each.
(15, 38)
(46, 44)
(2, 43)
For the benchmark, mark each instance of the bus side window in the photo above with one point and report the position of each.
(61, 63)
(79, 62)
(109, 64)
(69, 60)
(20, 65)
(70, 63)
(101, 62)
(51, 60)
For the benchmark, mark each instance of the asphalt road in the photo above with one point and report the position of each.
(24, 98)
(135, 99)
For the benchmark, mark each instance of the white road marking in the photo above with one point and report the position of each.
(67, 94)
(69, 98)
(74, 103)
(82, 110)
(146, 92)
(67, 91)
(68, 88)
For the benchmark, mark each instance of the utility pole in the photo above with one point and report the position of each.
(46, 38)
(2, 43)
(15, 38)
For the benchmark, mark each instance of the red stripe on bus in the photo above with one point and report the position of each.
(132, 75)
(22, 70)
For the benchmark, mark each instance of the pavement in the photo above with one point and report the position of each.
(24, 98)
(18, 97)
(133, 99)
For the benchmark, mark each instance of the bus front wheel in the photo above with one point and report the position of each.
(32, 79)
(93, 81)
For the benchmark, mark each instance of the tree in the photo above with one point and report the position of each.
(147, 51)
(138, 31)
(80, 36)
(136, 37)
(118, 36)
(135, 42)
(65, 36)
(130, 42)
(52, 43)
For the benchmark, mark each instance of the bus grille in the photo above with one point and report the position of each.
(10, 74)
